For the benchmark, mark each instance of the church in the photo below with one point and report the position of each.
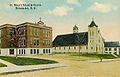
(85, 42)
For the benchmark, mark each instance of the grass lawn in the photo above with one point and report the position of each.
(97, 56)
(26, 61)
(3, 65)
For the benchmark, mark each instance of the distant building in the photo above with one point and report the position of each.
(84, 42)
(34, 38)
(112, 47)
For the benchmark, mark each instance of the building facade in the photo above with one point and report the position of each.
(84, 42)
(25, 39)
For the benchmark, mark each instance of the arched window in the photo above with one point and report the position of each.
(74, 47)
(92, 33)
(109, 49)
(106, 49)
(115, 49)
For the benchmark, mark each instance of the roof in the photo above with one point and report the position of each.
(111, 44)
(7, 25)
(75, 27)
(71, 39)
(92, 24)
(35, 24)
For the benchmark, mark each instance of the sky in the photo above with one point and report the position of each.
(62, 15)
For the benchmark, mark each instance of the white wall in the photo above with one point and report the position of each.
(95, 40)
(25, 51)
(70, 49)
(112, 51)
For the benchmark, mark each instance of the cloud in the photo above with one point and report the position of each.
(73, 1)
(60, 11)
(102, 8)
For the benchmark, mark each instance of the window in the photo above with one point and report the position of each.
(119, 49)
(106, 49)
(35, 31)
(11, 51)
(31, 51)
(34, 51)
(0, 51)
(64, 48)
(74, 47)
(55, 48)
(69, 47)
(23, 42)
(99, 41)
(34, 42)
(43, 50)
(86, 47)
(59, 48)
(115, 49)
(109, 49)
(19, 51)
(49, 50)
(24, 51)
(43, 42)
(92, 33)
(37, 51)
(91, 47)
(46, 50)
(37, 42)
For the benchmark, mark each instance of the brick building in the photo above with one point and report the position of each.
(33, 38)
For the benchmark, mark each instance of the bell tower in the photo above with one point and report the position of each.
(95, 40)
(75, 29)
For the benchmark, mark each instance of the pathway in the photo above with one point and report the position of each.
(7, 63)
(103, 60)
(6, 70)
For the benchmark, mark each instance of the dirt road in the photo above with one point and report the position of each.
(74, 68)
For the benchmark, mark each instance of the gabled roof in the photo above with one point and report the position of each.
(75, 27)
(111, 44)
(71, 39)
(92, 24)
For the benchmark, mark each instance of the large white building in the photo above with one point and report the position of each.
(85, 42)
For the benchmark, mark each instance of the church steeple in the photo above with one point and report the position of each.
(92, 24)
(75, 29)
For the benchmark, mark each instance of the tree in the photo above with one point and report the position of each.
(15, 38)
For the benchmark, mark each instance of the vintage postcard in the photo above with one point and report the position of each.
(59, 38)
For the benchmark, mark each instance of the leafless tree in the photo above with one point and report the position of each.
(15, 38)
